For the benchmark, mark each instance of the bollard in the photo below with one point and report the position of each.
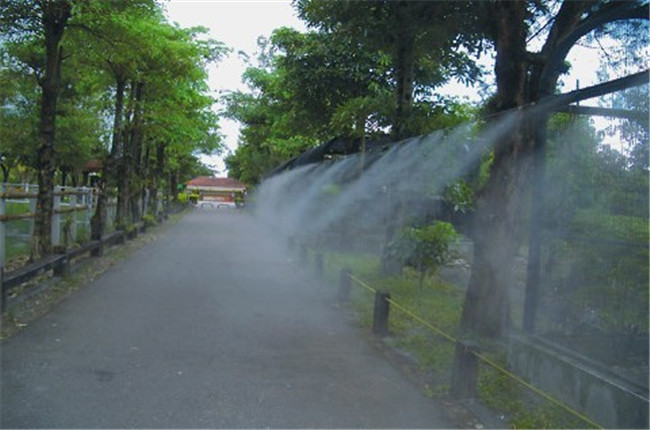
(380, 314)
(465, 371)
(318, 262)
(62, 267)
(345, 285)
(99, 250)
(291, 244)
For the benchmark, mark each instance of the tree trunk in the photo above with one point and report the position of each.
(173, 186)
(159, 175)
(147, 181)
(55, 18)
(405, 69)
(117, 150)
(64, 176)
(498, 230)
(136, 137)
(98, 220)
(521, 78)
(500, 206)
(5, 172)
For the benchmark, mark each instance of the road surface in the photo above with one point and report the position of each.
(210, 326)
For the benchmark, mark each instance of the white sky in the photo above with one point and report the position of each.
(240, 23)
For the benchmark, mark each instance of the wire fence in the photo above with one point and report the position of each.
(471, 350)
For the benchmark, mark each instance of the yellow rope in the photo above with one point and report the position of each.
(422, 321)
(482, 357)
(537, 390)
(363, 284)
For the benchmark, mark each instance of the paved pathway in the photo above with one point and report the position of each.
(206, 327)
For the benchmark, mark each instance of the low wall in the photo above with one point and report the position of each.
(604, 397)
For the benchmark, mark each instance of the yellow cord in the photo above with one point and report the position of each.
(481, 357)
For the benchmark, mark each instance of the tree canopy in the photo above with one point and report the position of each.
(117, 84)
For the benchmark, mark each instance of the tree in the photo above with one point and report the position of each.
(123, 64)
(424, 41)
(154, 73)
(522, 78)
(425, 248)
(302, 93)
(45, 20)
(19, 113)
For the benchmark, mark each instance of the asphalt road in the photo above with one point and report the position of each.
(208, 327)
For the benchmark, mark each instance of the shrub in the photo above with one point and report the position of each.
(425, 248)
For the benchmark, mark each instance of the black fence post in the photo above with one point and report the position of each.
(98, 251)
(345, 285)
(380, 314)
(465, 371)
(62, 266)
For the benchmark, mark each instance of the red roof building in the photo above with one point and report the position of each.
(216, 189)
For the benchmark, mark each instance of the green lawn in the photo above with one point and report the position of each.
(439, 304)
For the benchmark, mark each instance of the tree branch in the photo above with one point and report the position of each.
(568, 29)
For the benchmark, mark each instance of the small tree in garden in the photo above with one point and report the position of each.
(426, 248)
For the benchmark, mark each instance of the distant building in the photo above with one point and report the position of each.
(218, 190)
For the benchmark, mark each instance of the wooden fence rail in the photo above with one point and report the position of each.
(58, 263)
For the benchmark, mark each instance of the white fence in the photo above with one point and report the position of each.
(73, 209)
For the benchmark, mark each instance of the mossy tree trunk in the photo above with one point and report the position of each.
(55, 16)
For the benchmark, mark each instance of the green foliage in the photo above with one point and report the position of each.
(108, 41)
(420, 42)
(149, 220)
(611, 269)
(460, 196)
(337, 81)
(194, 197)
(182, 197)
(309, 88)
(597, 219)
(331, 189)
(439, 304)
(425, 248)
(520, 406)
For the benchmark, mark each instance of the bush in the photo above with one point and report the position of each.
(149, 220)
(425, 248)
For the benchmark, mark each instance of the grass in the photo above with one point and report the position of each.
(440, 304)
(437, 302)
(520, 407)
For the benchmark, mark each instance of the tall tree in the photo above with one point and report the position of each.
(45, 20)
(309, 87)
(522, 77)
(427, 42)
